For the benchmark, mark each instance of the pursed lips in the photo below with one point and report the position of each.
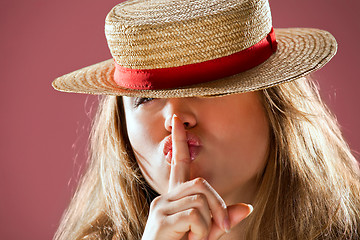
(193, 142)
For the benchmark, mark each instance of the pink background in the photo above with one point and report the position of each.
(44, 132)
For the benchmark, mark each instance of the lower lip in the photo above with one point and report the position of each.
(193, 151)
(168, 156)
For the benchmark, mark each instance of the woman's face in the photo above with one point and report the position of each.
(228, 139)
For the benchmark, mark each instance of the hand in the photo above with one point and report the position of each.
(190, 208)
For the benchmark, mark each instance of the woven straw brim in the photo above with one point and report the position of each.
(300, 52)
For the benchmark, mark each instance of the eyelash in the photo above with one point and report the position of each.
(139, 101)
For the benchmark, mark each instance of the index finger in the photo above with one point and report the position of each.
(180, 162)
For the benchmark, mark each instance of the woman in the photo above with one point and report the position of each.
(211, 112)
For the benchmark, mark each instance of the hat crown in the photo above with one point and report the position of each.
(153, 34)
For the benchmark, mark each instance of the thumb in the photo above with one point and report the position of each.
(237, 213)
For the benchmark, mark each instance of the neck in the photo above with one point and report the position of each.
(243, 194)
(236, 233)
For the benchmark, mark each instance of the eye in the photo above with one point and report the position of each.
(138, 101)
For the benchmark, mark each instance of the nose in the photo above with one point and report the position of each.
(183, 108)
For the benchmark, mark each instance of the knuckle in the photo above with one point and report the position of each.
(199, 199)
(194, 215)
(199, 182)
(157, 213)
(156, 208)
(155, 202)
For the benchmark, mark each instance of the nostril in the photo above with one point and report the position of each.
(186, 124)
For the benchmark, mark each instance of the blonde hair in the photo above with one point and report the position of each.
(310, 187)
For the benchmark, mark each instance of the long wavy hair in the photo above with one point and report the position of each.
(310, 187)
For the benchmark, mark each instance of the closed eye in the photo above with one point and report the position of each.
(138, 101)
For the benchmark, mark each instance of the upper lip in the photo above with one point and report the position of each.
(192, 140)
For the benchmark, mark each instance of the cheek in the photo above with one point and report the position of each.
(142, 132)
(241, 142)
(253, 150)
(253, 139)
(256, 134)
(138, 134)
(145, 136)
(248, 147)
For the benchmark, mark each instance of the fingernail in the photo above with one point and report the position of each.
(226, 224)
(251, 208)
(173, 120)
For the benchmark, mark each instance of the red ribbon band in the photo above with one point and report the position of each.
(175, 77)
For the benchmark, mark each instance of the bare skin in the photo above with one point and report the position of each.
(191, 209)
(204, 164)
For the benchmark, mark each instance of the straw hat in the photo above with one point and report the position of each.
(183, 48)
